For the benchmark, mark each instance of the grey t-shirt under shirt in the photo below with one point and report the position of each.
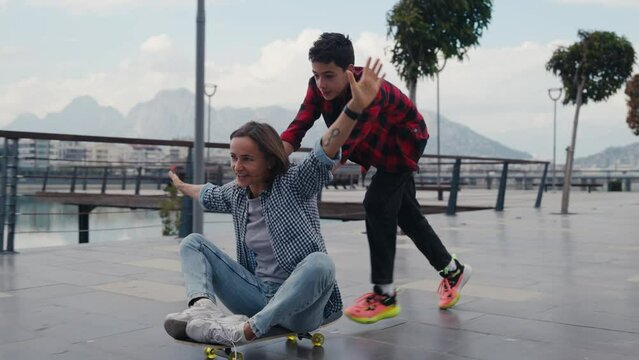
(259, 240)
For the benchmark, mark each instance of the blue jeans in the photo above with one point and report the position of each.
(297, 304)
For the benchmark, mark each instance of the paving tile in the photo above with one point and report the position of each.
(488, 347)
(545, 286)
(634, 278)
(119, 306)
(477, 290)
(145, 289)
(12, 334)
(49, 291)
(168, 248)
(10, 282)
(162, 264)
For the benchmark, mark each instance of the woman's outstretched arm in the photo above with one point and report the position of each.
(190, 190)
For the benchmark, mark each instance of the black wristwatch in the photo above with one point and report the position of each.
(350, 113)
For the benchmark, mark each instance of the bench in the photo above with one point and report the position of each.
(344, 180)
(440, 189)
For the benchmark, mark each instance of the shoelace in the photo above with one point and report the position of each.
(444, 287)
(365, 298)
(224, 335)
(370, 302)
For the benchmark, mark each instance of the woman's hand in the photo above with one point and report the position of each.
(190, 190)
(175, 180)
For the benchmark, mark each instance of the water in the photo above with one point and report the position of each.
(43, 224)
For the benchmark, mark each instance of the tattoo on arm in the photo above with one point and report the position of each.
(334, 133)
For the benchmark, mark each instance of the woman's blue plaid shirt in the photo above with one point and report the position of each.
(290, 212)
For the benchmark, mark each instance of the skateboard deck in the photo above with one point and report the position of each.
(212, 351)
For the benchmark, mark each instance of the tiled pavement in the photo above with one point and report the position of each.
(545, 286)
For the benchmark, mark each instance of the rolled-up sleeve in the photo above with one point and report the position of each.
(320, 154)
(203, 190)
(216, 198)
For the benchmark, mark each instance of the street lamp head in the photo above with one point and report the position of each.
(210, 89)
(555, 93)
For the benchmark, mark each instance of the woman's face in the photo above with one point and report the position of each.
(249, 164)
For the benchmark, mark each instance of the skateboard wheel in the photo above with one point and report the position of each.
(209, 353)
(291, 338)
(236, 356)
(318, 339)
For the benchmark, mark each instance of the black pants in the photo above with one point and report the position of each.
(390, 201)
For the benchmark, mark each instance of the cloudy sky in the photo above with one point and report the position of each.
(124, 51)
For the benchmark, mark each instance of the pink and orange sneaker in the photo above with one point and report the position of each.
(451, 285)
(373, 307)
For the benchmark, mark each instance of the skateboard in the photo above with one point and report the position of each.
(212, 351)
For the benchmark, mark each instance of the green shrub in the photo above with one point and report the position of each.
(614, 185)
(170, 212)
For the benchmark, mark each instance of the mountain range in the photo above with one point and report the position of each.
(612, 158)
(170, 115)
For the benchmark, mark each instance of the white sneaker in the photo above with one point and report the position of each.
(175, 323)
(227, 331)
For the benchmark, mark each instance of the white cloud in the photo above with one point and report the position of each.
(498, 92)
(277, 77)
(608, 3)
(157, 44)
(81, 6)
(502, 93)
(7, 51)
(106, 6)
(135, 79)
(3, 3)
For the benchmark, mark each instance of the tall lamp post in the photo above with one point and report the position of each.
(198, 143)
(209, 91)
(439, 160)
(554, 94)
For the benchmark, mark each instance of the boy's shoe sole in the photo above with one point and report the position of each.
(450, 304)
(392, 311)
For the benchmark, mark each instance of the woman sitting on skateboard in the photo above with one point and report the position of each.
(282, 275)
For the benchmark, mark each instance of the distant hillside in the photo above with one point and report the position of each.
(458, 139)
(612, 157)
(83, 116)
(170, 115)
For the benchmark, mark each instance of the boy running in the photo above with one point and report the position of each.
(391, 136)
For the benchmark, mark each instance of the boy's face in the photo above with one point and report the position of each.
(331, 80)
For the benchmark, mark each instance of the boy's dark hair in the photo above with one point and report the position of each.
(269, 143)
(332, 47)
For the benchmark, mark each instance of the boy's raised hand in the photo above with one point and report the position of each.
(365, 90)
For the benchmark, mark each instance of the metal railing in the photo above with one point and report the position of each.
(71, 174)
(490, 165)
